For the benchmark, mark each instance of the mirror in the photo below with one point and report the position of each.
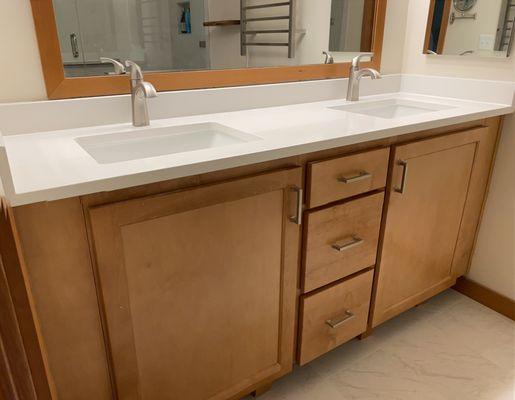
(481, 28)
(172, 35)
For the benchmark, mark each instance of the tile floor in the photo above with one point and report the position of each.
(448, 348)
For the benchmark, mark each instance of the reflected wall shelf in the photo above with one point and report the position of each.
(228, 22)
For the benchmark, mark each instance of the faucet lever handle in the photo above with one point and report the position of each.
(329, 59)
(356, 60)
(119, 68)
(135, 70)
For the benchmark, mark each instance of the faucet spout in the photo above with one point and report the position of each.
(145, 89)
(368, 72)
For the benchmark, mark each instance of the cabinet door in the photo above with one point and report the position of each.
(199, 287)
(432, 201)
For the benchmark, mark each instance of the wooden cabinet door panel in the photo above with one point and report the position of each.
(423, 223)
(199, 287)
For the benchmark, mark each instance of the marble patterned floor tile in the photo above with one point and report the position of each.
(449, 348)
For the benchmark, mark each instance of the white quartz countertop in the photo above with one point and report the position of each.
(51, 165)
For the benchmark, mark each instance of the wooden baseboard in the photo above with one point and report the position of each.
(497, 302)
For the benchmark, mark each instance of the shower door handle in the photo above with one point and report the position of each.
(75, 45)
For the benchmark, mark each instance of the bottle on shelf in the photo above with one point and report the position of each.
(183, 25)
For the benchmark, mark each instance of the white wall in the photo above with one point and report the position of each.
(224, 41)
(20, 68)
(394, 36)
(354, 25)
(493, 263)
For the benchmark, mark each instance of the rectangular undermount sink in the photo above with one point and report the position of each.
(392, 108)
(152, 142)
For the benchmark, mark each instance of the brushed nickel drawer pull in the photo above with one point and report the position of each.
(297, 218)
(362, 175)
(348, 244)
(404, 165)
(335, 323)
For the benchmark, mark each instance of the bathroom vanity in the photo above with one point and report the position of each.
(247, 229)
(211, 285)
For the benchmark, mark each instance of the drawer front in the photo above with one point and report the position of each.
(348, 176)
(334, 316)
(341, 240)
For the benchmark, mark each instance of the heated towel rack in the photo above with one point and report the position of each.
(505, 34)
(246, 11)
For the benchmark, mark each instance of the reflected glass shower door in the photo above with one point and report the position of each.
(152, 33)
(68, 27)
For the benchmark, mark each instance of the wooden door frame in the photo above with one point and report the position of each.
(60, 87)
(367, 35)
(21, 348)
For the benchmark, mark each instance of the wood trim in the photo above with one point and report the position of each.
(443, 27)
(429, 25)
(228, 22)
(489, 298)
(60, 87)
(368, 21)
(15, 376)
(25, 329)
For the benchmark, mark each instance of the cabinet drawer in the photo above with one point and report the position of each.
(347, 176)
(341, 240)
(334, 316)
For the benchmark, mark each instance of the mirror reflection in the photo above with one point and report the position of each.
(171, 35)
(483, 28)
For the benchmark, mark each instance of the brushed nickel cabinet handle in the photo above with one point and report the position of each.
(335, 323)
(404, 165)
(75, 45)
(348, 244)
(361, 176)
(297, 218)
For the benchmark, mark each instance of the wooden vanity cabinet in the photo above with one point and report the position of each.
(187, 289)
(434, 204)
(199, 287)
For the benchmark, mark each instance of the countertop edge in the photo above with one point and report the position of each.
(176, 172)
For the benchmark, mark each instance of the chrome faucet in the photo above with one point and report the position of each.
(119, 68)
(329, 59)
(140, 92)
(356, 74)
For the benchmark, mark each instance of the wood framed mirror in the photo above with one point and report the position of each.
(250, 42)
(470, 28)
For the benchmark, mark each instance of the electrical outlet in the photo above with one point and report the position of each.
(486, 42)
